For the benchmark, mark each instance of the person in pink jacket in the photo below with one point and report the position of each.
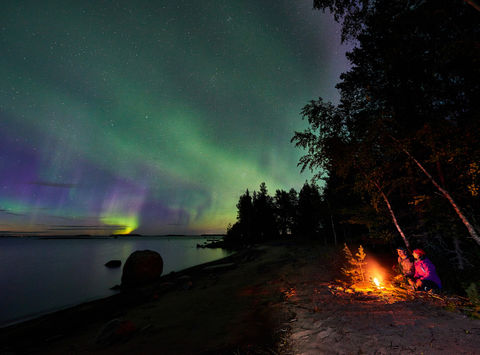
(425, 277)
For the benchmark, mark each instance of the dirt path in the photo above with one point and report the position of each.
(353, 324)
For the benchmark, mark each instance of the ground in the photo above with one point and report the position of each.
(271, 299)
(343, 323)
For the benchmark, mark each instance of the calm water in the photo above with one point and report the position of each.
(41, 275)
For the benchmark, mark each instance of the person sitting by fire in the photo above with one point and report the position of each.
(425, 278)
(405, 264)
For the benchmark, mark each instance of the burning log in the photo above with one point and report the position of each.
(376, 282)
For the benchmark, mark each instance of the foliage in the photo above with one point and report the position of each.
(243, 228)
(308, 223)
(474, 297)
(472, 294)
(286, 204)
(262, 218)
(355, 267)
(411, 92)
(264, 221)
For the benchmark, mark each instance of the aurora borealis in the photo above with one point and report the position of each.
(153, 116)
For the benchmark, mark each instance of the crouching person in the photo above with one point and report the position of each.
(425, 278)
(405, 264)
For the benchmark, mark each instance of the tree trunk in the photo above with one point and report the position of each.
(474, 4)
(470, 228)
(334, 232)
(407, 244)
(458, 253)
(445, 194)
(333, 225)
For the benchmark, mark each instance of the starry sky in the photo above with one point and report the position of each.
(153, 117)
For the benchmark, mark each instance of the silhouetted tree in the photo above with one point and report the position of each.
(285, 210)
(264, 215)
(241, 232)
(308, 223)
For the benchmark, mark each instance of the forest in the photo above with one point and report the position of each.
(398, 157)
(262, 218)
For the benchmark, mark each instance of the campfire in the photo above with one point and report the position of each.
(367, 279)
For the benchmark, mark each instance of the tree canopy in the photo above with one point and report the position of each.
(403, 143)
(262, 218)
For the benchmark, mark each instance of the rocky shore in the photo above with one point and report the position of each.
(218, 307)
(270, 299)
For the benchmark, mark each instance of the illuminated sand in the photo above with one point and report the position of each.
(334, 317)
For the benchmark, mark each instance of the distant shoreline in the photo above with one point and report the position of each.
(112, 236)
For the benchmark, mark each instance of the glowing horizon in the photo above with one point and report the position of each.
(153, 119)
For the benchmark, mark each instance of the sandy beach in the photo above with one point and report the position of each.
(270, 299)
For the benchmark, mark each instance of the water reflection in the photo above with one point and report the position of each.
(41, 275)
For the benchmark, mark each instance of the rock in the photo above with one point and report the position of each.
(302, 334)
(185, 282)
(325, 333)
(116, 330)
(142, 268)
(114, 263)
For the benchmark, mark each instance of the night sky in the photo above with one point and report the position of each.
(153, 117)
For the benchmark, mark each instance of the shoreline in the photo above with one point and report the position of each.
(34, 316)
(111, 236)
(274, 298)
(35, 334)
(87, 302)
(44, 282)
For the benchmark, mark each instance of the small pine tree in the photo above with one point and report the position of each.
(474, 298)
(351, 265)
(355, 265)
(472, 294)
(361, 261)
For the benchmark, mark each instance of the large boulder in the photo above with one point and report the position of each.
(142, 268)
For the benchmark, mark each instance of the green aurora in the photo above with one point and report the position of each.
(153, 117)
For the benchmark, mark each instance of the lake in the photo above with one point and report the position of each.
(39, 275)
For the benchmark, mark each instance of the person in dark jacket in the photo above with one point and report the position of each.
(425, 278)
